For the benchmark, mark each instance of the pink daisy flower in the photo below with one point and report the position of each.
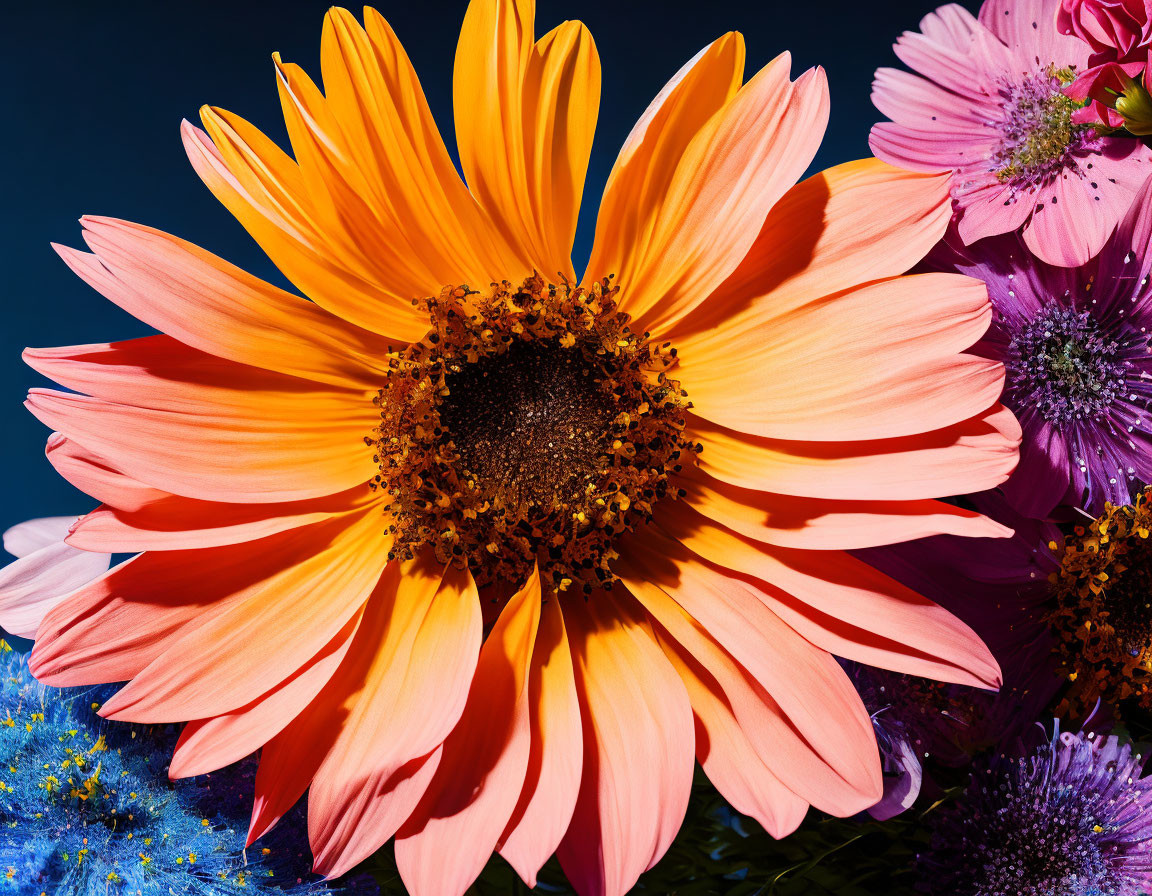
(988, 105)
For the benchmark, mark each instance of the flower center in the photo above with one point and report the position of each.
(1102, 605)
(533, 419)
(1037, 133)
(530, 427)
(1032, 840)
(1062, 365)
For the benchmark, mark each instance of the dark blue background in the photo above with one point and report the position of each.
(94, 94)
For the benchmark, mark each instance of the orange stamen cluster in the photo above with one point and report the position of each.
(1103, 607)
(530, 426)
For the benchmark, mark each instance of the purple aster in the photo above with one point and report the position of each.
(1073, 818)
(897, 735)
(1075, 347)
(990, 107)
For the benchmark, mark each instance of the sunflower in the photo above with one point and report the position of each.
(484, 555)
(1099, 608)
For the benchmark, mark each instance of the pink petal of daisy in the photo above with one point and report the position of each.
(47, 570)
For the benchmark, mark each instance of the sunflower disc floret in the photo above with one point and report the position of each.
(1103, 605)
(529, 427)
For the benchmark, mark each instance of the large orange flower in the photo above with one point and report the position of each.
(482, 555)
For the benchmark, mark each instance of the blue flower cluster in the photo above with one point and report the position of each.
(86, 809)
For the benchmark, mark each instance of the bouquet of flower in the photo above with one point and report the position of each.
(799, 544)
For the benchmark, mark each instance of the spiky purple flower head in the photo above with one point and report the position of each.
(1075, 347)
(1072, 818)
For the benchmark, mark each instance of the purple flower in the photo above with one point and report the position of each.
(990, 108)
(1075, 346)
(1073, 818)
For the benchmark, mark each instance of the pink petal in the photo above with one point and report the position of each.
(32, 535)
(413, 695)
(206, 745)
(451, 836)
(46, 572)
(1029, 28)
(728, 757)
(552, 781)
(1076, 216)
(255, 643)
(836, 601)
(953, 50)
(639, 744)
(913, 149)
(992, 209)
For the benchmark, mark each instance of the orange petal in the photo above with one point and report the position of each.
(638, 748)
(876, 362)
(205, 302)
(806, 682)
(648, 160)
(836, 601)
(838, 772)
(162, 373)
(290, 760)
(391, 141)
(136, 517)
(483, 766)
(727, 755)
(561, 104)
(852, 224)
(552, 780)
(113, 628)
(816, 524)
(227, 433)
(206, 745)
(259, 184)
(525, 116)
(965, 458)
(344, 196)
(96, 477)
(175, 523)
(414, 692)
(741, 161)
(255, 643)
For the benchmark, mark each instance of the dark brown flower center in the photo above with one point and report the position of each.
(529, 427)
(532, 421)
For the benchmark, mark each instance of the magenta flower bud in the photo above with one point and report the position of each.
(1116, 30)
